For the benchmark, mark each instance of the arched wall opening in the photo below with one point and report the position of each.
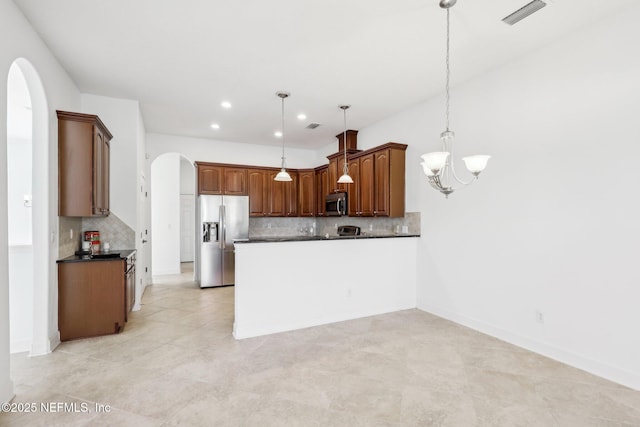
(31, 300)
(172, 213)
(19, 210)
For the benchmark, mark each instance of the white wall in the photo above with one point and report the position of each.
(552, 225)
(61, 93)
(19, 179)
(21, 297)
(270, 297)
(209, 150)
(187, 177)
(143, 214)
(165, 218)
(120, 116)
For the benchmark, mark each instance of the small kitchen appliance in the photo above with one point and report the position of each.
(335, 204)
(348, 230)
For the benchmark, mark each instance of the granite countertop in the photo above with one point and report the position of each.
(272, 239)
(113, 254)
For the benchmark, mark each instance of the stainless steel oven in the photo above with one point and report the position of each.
(335, 204)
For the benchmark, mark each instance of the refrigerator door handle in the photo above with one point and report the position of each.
(223, 225)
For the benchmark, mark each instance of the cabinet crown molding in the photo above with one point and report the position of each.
(87, 118)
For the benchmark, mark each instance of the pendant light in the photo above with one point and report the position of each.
(283, 175)
(345, 178)
(438, 166)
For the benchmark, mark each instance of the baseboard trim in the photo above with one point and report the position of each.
(54, 341)
(606, 371)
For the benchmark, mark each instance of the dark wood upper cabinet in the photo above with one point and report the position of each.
(307, 192)
(283, 195)
(322, 189)
(83, 165)
(377, 190)
(235, 181)
(209, 179)
(259, 204)
(216, 179)
(361, 193)
(389, 180)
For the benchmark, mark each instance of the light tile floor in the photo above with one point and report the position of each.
(176, 363)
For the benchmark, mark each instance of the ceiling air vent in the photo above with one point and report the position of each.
(524, 11)
(312, 125)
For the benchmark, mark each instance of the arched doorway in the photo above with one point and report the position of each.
(172, 214)
(30, 263)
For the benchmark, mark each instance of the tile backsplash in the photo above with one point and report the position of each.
(67, 245)
(287, 227)
(112, 230)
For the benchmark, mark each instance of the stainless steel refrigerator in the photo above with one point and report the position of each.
(222, 219)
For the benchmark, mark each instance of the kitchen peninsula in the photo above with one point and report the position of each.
(291, 283)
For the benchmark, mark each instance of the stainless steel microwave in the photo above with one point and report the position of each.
(335, 204)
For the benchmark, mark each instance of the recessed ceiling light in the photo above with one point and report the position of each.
(225, 104)
(277, 134)
(215, 126)
(302, 116)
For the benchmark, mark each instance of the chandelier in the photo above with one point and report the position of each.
(438, 166)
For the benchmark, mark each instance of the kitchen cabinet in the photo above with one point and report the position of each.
(307, 192)
(268, 197)
(360, 193)
(259, 203)
(283, 195)
(235, 181)
(378, 188)
(83, 165)
(219, 179)
(332, 175)
(389, 181)
(322, 189)
(91, 298)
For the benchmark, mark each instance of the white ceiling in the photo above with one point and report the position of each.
(181, 59)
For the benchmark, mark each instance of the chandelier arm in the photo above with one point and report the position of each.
(455, 175)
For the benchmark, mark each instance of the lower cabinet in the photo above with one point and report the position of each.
(92, 297)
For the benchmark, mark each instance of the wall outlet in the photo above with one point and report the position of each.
(539, 316)
(71, 233)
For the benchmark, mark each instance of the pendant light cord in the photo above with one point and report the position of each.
(345, 167)
(448, 73)
(282, 131)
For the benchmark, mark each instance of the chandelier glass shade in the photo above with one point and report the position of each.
(283, 175)
(438, 166)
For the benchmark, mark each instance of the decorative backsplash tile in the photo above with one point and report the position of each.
(67, 245)
(281, 227)
(112, 230)
(287, 227)
(374, 226)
